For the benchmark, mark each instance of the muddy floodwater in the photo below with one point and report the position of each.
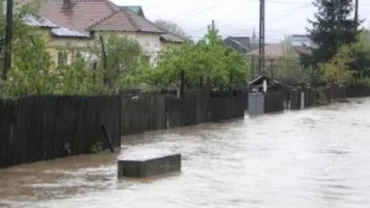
(312, 158)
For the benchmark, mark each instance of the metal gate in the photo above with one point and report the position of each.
(256, 104)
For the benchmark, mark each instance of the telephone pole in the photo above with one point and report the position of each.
(8, 38)
(213, 25)
(339, 22)
(261, 49)
(356, 11)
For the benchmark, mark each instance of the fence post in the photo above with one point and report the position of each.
(182, 84)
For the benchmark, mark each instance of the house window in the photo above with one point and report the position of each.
(62, 58)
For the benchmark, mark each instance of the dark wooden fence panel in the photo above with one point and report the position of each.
(155, 112)
(190, 109)
(133, 116)
(6, 129)
(329, 94)
(202, 106)
(110, 118)
(217, 109)
(294, 99)
(229, 107)
(175, 109)
(274, 101)
(42, 128)
(358, 91)
(239, 105)
(314, 96)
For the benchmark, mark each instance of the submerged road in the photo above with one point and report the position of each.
(318, 157)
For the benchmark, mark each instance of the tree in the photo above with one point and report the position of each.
(208, 62)
(171, 27)
(31, 71)
(123, 59)
(337, 69)
(361, 56)
(327, 33)
(288, 68)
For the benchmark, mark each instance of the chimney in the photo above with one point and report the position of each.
(67, 4)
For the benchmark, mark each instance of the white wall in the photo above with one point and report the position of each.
(151, 44)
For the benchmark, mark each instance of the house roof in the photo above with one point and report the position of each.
(39, 22)
(102, 14)
(169, 37)
(30, 20)
(65, 32)
(244, 41)
(272, 50)
(125, 20)
(259, 80)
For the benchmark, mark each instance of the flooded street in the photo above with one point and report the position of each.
(312, 158)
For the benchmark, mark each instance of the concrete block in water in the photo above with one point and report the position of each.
(148, 163)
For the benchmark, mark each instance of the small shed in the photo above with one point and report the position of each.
(256, 85)
(266, 95)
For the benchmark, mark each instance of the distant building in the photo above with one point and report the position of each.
(76, 23)
(301, 40)
(240, 43)
(271, 50)
(167, 38)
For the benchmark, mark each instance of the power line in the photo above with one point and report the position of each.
(219, 2)
(200, 11)
(156, 5)
(278, 17)
(286, 13)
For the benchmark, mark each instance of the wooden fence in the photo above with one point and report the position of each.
(154, 112)
(358, 91)
(48, 127)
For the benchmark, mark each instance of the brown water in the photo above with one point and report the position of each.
(312, 158)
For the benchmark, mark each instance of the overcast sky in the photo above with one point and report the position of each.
(235, 17)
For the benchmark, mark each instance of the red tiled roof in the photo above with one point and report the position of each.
(117, 21)
(102, 14)
(83, 13)
(125, 20)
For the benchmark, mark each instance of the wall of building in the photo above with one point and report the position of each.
(150, 43)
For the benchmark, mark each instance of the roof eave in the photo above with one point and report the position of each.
(71, 37)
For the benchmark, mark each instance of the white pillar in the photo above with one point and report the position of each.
(264, 86)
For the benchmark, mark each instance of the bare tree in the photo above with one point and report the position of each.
(171, 27)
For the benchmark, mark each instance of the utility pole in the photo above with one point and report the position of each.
(261, 50)
(339, 22)
(8, 38)
(356, 11)
(213, 25)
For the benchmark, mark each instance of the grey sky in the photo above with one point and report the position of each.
(235, 17)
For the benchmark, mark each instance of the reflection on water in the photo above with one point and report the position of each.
(313, 158)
